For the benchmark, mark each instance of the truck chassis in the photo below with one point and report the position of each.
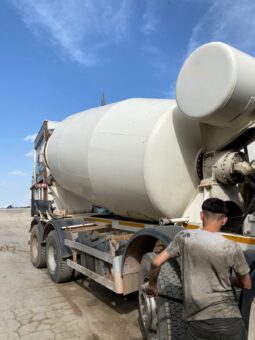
(116, 253)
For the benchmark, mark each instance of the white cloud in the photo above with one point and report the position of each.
(150, 20)
(17, 173)
(81, 27)
(150, 17)
(156, 58)
(30, 138)
(169, 93)
(29, 153)
(230, 21)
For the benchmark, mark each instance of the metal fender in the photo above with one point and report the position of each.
(139, 244)
(36, 220)
(57, 224)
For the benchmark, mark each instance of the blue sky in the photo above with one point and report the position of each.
(58, 56)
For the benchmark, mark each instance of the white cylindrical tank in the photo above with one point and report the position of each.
(216, 83)
(136, 157)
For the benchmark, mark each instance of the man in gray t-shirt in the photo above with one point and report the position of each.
(208, 259)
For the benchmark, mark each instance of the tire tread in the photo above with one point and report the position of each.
(170, 320)
(169, 313)
(40, 262)
(63, 272)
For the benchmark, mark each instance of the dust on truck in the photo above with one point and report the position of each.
(149, 163)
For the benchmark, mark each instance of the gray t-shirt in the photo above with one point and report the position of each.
(207, 259)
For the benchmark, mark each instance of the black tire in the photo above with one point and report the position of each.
(170, 324)
(170, 313)
(77, 275)
(58, 269)
(37, 250)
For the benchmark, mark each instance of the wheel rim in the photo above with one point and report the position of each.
(52, 264)
(147, 307)
(34, 247)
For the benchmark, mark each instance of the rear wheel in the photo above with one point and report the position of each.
(37, 250)
(58, 269)
(170, 313)
(161, 318)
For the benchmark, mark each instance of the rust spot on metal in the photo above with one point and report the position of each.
(131, 224)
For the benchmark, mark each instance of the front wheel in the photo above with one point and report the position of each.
(161, 318)
(58, 269)
(37, 250)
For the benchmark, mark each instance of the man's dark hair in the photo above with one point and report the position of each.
(215, 206)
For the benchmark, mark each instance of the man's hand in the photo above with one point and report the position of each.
(152, 291)
(156, 263)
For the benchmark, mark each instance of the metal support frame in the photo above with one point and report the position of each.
(116, 261)
(94, 276)
(89, 250)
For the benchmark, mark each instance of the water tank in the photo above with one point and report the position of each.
(136, 157)
(216, 84)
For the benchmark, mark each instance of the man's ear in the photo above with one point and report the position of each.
(224, 220)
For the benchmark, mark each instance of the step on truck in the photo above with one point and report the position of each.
(113, 185)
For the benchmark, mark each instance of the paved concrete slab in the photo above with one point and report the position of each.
(34, 307)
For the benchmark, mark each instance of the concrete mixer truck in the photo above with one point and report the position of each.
(113, 185)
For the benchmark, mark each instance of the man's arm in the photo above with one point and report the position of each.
(241, 269)
(154, 271)
(172, 250)
(241, 281)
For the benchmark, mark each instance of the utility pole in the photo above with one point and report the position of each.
(103, 99)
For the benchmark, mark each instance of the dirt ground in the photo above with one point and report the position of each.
(34, 307)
